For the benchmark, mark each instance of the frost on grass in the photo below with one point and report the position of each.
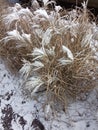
(52, 49)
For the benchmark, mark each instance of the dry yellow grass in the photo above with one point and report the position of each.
(53, 51)
(3, 6)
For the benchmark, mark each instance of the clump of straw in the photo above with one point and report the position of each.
(56, 50)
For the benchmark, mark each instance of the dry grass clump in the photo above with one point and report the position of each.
(3, 5)
(17, 41)
(56, 51)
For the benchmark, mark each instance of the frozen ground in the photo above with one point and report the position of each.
(20, 113)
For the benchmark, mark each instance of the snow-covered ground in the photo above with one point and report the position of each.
(17, 112)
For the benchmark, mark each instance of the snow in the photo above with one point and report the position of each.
(41, 12)
(80, 115)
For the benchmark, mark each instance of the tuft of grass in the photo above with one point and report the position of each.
(3, 5)
(53, 50)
